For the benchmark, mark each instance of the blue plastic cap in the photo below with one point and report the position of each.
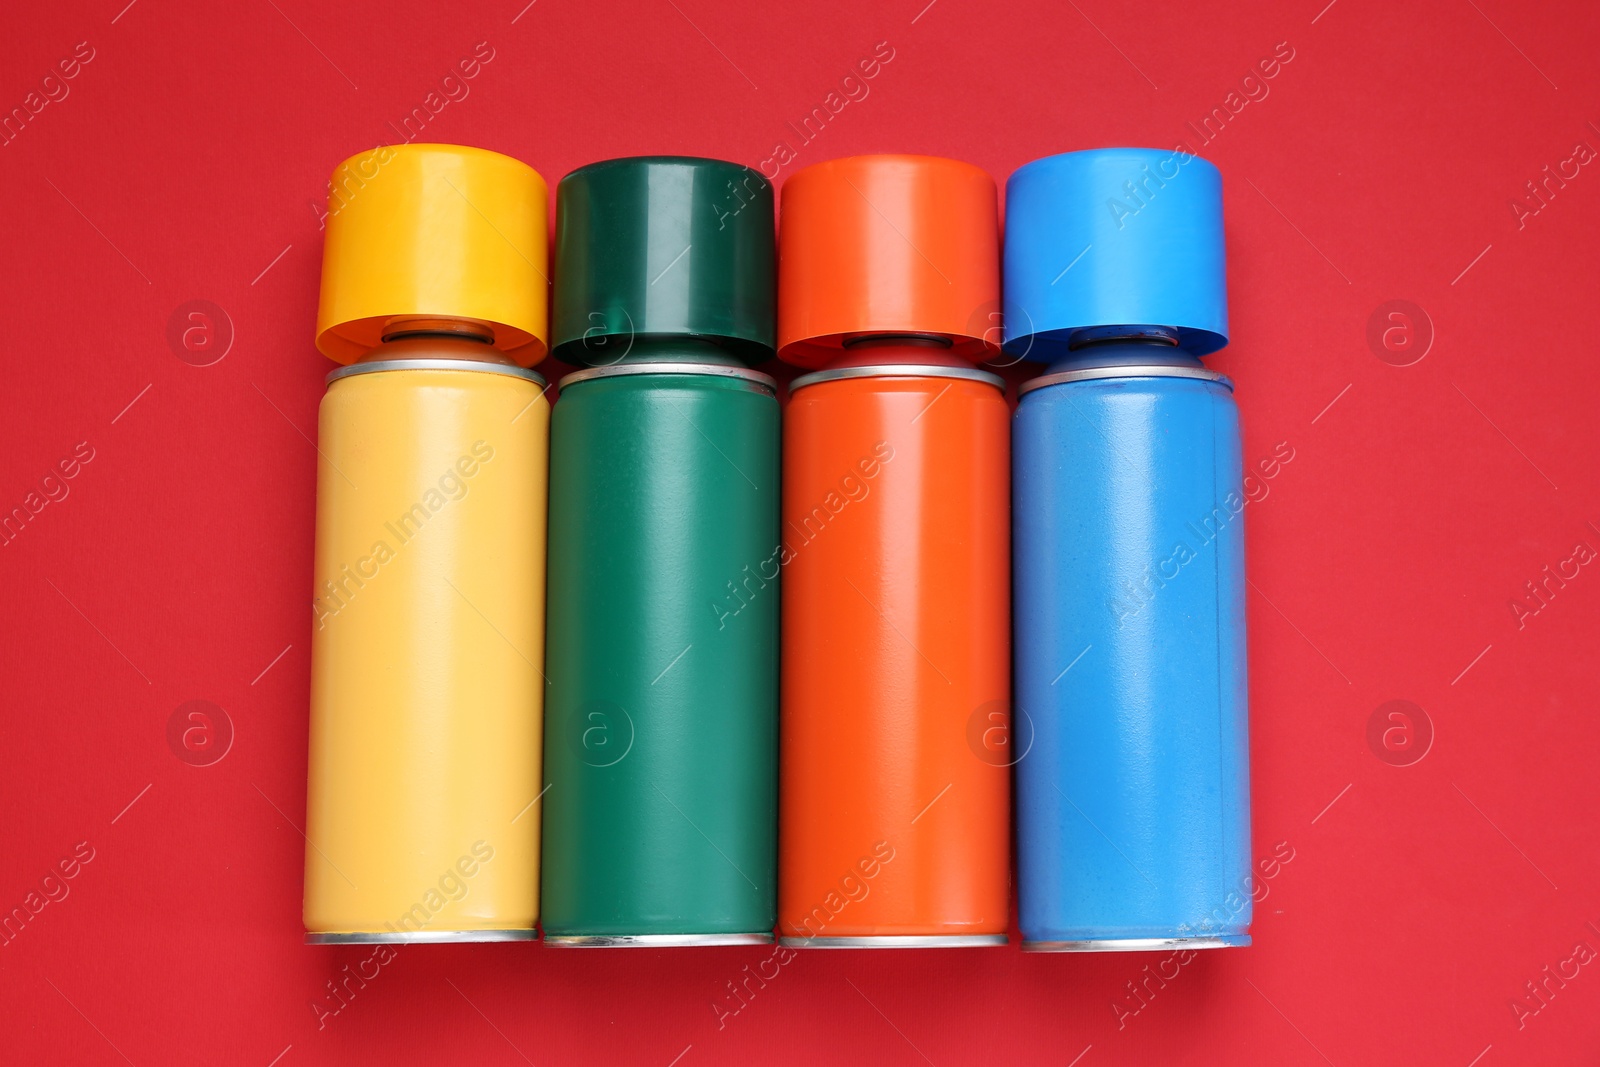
(1114, 237)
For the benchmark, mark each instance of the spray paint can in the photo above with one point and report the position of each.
(896, 610)
(1133, 827)
(661, 737)
(428, 618)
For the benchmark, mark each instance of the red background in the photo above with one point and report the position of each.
(184, 165)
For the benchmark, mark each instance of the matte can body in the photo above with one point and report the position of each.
(427, 644)
(1133, 804)
(661, 744)
(895, 659)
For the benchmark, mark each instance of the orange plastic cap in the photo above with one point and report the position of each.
(888, 244)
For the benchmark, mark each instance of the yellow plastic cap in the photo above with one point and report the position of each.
(435, 231)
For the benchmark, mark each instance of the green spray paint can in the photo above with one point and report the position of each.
(660, 810)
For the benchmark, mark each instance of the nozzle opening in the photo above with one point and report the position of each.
(459, 329)
(1099, 335)
(864, 340)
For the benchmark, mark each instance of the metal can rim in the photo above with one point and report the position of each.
(1132, 371)
(898, 370)
(1139, 944)
(424, 363)
(421, 937)
(883, 941)
(655, 940)
(765, 381)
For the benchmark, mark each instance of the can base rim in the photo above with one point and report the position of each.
(654, 940)
(898, 370)
(899, 941)
(1138, 944)
(716, 370)
(1086, 374)
(425, 363)
(420, 937)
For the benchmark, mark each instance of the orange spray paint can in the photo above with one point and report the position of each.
(895, 756)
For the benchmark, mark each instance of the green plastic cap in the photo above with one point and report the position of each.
(653, 248)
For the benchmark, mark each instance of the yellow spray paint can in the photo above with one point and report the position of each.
(428, 618)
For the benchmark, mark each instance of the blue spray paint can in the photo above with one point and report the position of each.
(1133, 805)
